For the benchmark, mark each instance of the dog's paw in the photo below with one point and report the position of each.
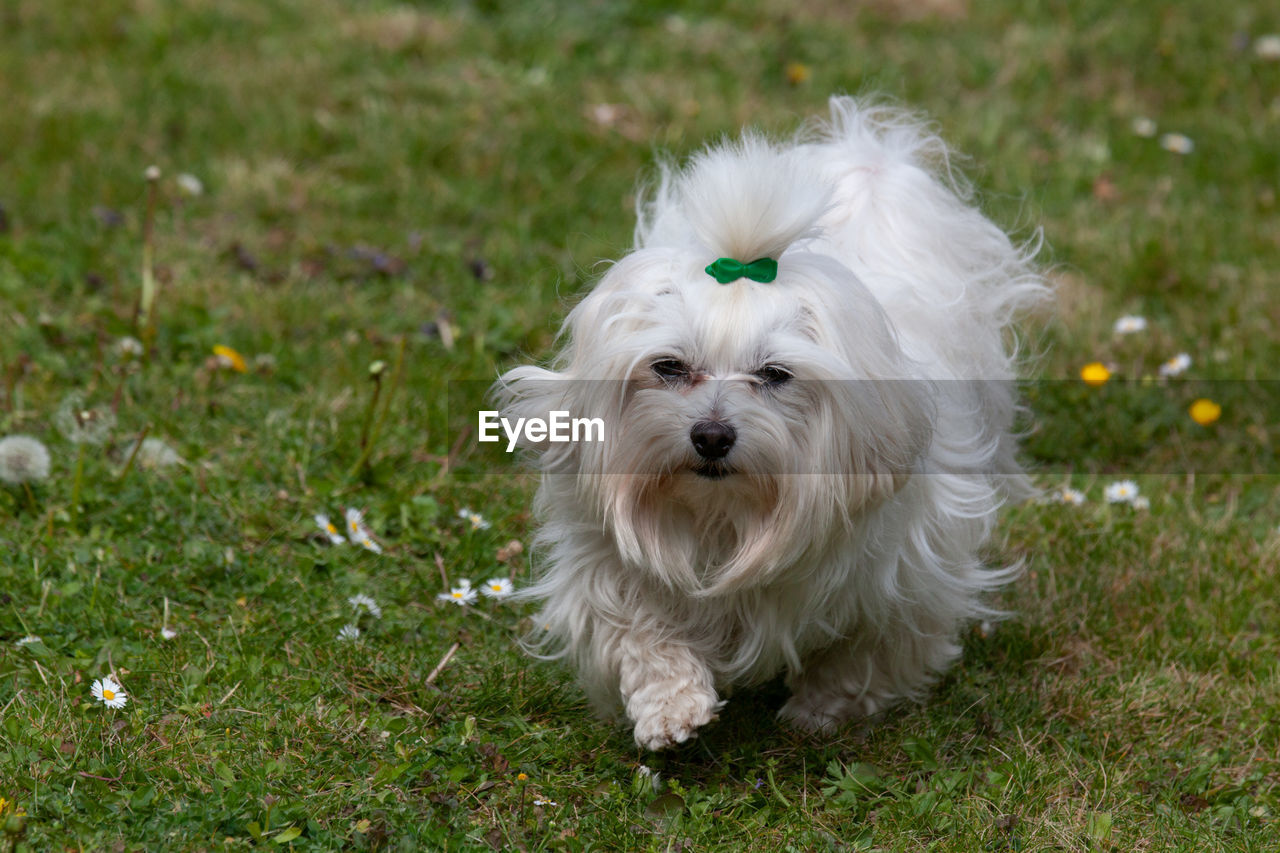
(806, 718)
(823, 714)
(668, 714)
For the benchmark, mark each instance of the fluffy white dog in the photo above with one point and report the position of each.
(804, 370)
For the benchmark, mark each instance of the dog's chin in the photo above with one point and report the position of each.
(717, 486)
(712, 470)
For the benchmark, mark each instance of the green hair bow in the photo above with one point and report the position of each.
(725, 270)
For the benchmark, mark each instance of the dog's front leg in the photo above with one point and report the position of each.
(668, 691)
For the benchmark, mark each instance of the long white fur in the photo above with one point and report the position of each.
(843, 550)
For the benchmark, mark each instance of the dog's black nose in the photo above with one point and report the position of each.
(712, 439)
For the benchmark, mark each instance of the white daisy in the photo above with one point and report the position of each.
(189, 184)
(27, 640)
(355, 523)
(109, 693)
(328, 528)
(1177, 143)
(461, 595)
(498, 588)
(358, 532)
(168, 633)
(360, 601)
(545, 803)
(349, 633)
(1129, 324)
(1121, 492)
(1141, 502)
(1267, 47)
(1073, 497)
(1175, 366)
(477, 520)
(1143, 126)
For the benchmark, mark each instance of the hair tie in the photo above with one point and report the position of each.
(725, 270)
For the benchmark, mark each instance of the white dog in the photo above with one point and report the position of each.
(804, 370)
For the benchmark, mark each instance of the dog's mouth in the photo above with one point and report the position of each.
(712, 470)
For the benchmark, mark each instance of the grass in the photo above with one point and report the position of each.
(376, 174)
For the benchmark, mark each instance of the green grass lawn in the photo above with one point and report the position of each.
(429, 185)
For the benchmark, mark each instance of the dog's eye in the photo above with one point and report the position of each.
(773, 375)
(671, 370)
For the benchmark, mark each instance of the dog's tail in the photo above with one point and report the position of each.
(746, 200)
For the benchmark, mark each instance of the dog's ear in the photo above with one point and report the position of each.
(527, 393)
(894, 427)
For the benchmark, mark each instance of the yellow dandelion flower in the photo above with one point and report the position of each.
(797, 73)
(1095, 373)
(1205, 412)
(231, 358)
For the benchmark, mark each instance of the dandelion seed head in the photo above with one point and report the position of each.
(81, 424)
(156, 453)
(129, 347)
(23, 459)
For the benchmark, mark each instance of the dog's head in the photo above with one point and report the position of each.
(747, 422)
